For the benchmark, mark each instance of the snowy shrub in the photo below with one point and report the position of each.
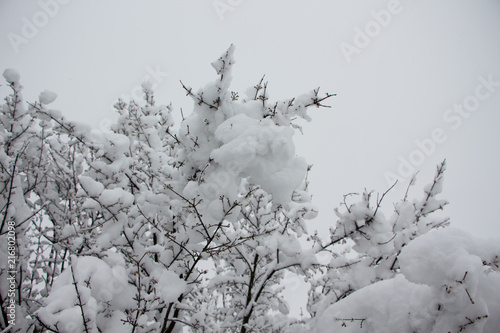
(448, 282)
(375, 244)
(157, 227)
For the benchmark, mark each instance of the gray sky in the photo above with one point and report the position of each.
(404, 71)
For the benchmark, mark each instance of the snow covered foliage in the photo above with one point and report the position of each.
(405, 273)
(117, 229)
(158, 227)
(246, 287)
(375, 242)
(448, 282)
(39, 208)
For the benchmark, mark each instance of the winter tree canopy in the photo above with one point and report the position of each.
(158, 227)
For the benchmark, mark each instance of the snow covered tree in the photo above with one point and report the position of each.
(38, 199)
(135, 215)
(157, 227)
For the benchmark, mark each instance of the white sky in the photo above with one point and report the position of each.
(429, 57)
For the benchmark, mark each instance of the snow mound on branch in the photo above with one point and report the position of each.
(223, 67)
(171, 286)
(11, 75)
(99, 285)
(47, 97)
(116, 196)
(422, 260)
(465, 270)
(263, 151)
(91, 187)
(381, 307)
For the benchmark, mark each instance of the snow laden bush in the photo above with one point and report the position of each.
(448, 282)
(400, 274)
(153, 227)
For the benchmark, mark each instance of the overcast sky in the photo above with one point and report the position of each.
(417, 81)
